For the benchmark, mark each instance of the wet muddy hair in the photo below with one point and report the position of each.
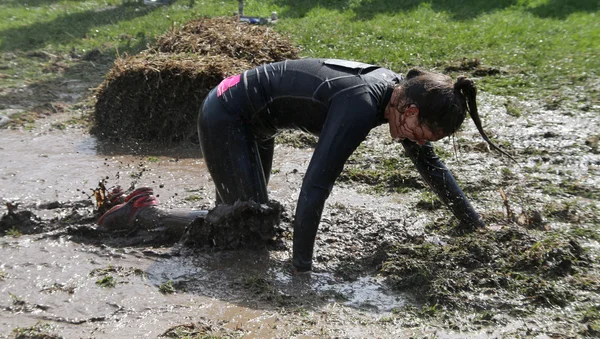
(443, 105)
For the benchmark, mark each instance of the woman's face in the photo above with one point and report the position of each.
(406, 125)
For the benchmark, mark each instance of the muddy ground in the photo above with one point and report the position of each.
(389, 260)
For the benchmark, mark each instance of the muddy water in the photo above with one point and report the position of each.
(53, 278)
(66, 165)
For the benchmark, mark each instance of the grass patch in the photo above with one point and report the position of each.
(513, 108)
(167, 287)
(591, 318)
(119, 270)
(193, 198)
(296, 139)
(204, 329)
(530, 266)
(14, 232)
(56, 287)
(37, 331)
(107, 281)
(383, 174)
(539, 45)
(263, 289)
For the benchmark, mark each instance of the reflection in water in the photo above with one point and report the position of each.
(205, 274)
(367, 293)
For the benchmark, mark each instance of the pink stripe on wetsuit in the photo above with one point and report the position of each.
(227, 83)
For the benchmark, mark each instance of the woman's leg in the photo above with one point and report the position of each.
(265, 150)
(231, 153)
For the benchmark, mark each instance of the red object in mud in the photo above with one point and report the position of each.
(123, 215)
(139, 191)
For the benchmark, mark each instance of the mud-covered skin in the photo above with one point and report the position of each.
(241, 225)
(339, 101)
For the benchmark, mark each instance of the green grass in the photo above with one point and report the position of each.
(167, 288)
(541, 45)
(39, 330)
(14, 232)
(106, 281)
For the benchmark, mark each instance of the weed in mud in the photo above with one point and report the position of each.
(301, 311)
(485, 317)
(507, 174)
(296, 139)
(580, 190)
(118, 270)
(335, 295)
(258, 285)
(70, 289)
(429, 201)
(567, 211)
(103, 271)
(263, 289)
(386, 320)
(592, 142)
(59, 126)
(383, 175)
(571, 188)
(14, 232)
(193, 198)
(585, 233)
(513, 108)
(141, 273)
(37, 331)
(548, 294)
(428, 311)
(167, 287)
(16, 300)
(590, 317)
(532, 265)
(106, 281)
(201, 330)
(3, 275)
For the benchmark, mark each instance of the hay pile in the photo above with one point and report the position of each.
(156, 95)
(223, 36)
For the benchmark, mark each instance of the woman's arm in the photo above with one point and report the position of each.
(441, 181)
(348, 122)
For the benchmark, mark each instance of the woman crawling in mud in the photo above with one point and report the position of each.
(339, 101)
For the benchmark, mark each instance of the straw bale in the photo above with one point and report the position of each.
(227, 36)
(157, 96)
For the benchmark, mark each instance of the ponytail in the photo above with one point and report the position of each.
(465, 88)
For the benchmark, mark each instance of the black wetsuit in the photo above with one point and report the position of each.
(339, 101)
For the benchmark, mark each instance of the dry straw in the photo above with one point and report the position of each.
(156, 95)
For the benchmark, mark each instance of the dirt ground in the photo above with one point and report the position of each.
(389, 262)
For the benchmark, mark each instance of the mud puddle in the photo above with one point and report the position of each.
(388, 261)
(65, 284)
(62, 280)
